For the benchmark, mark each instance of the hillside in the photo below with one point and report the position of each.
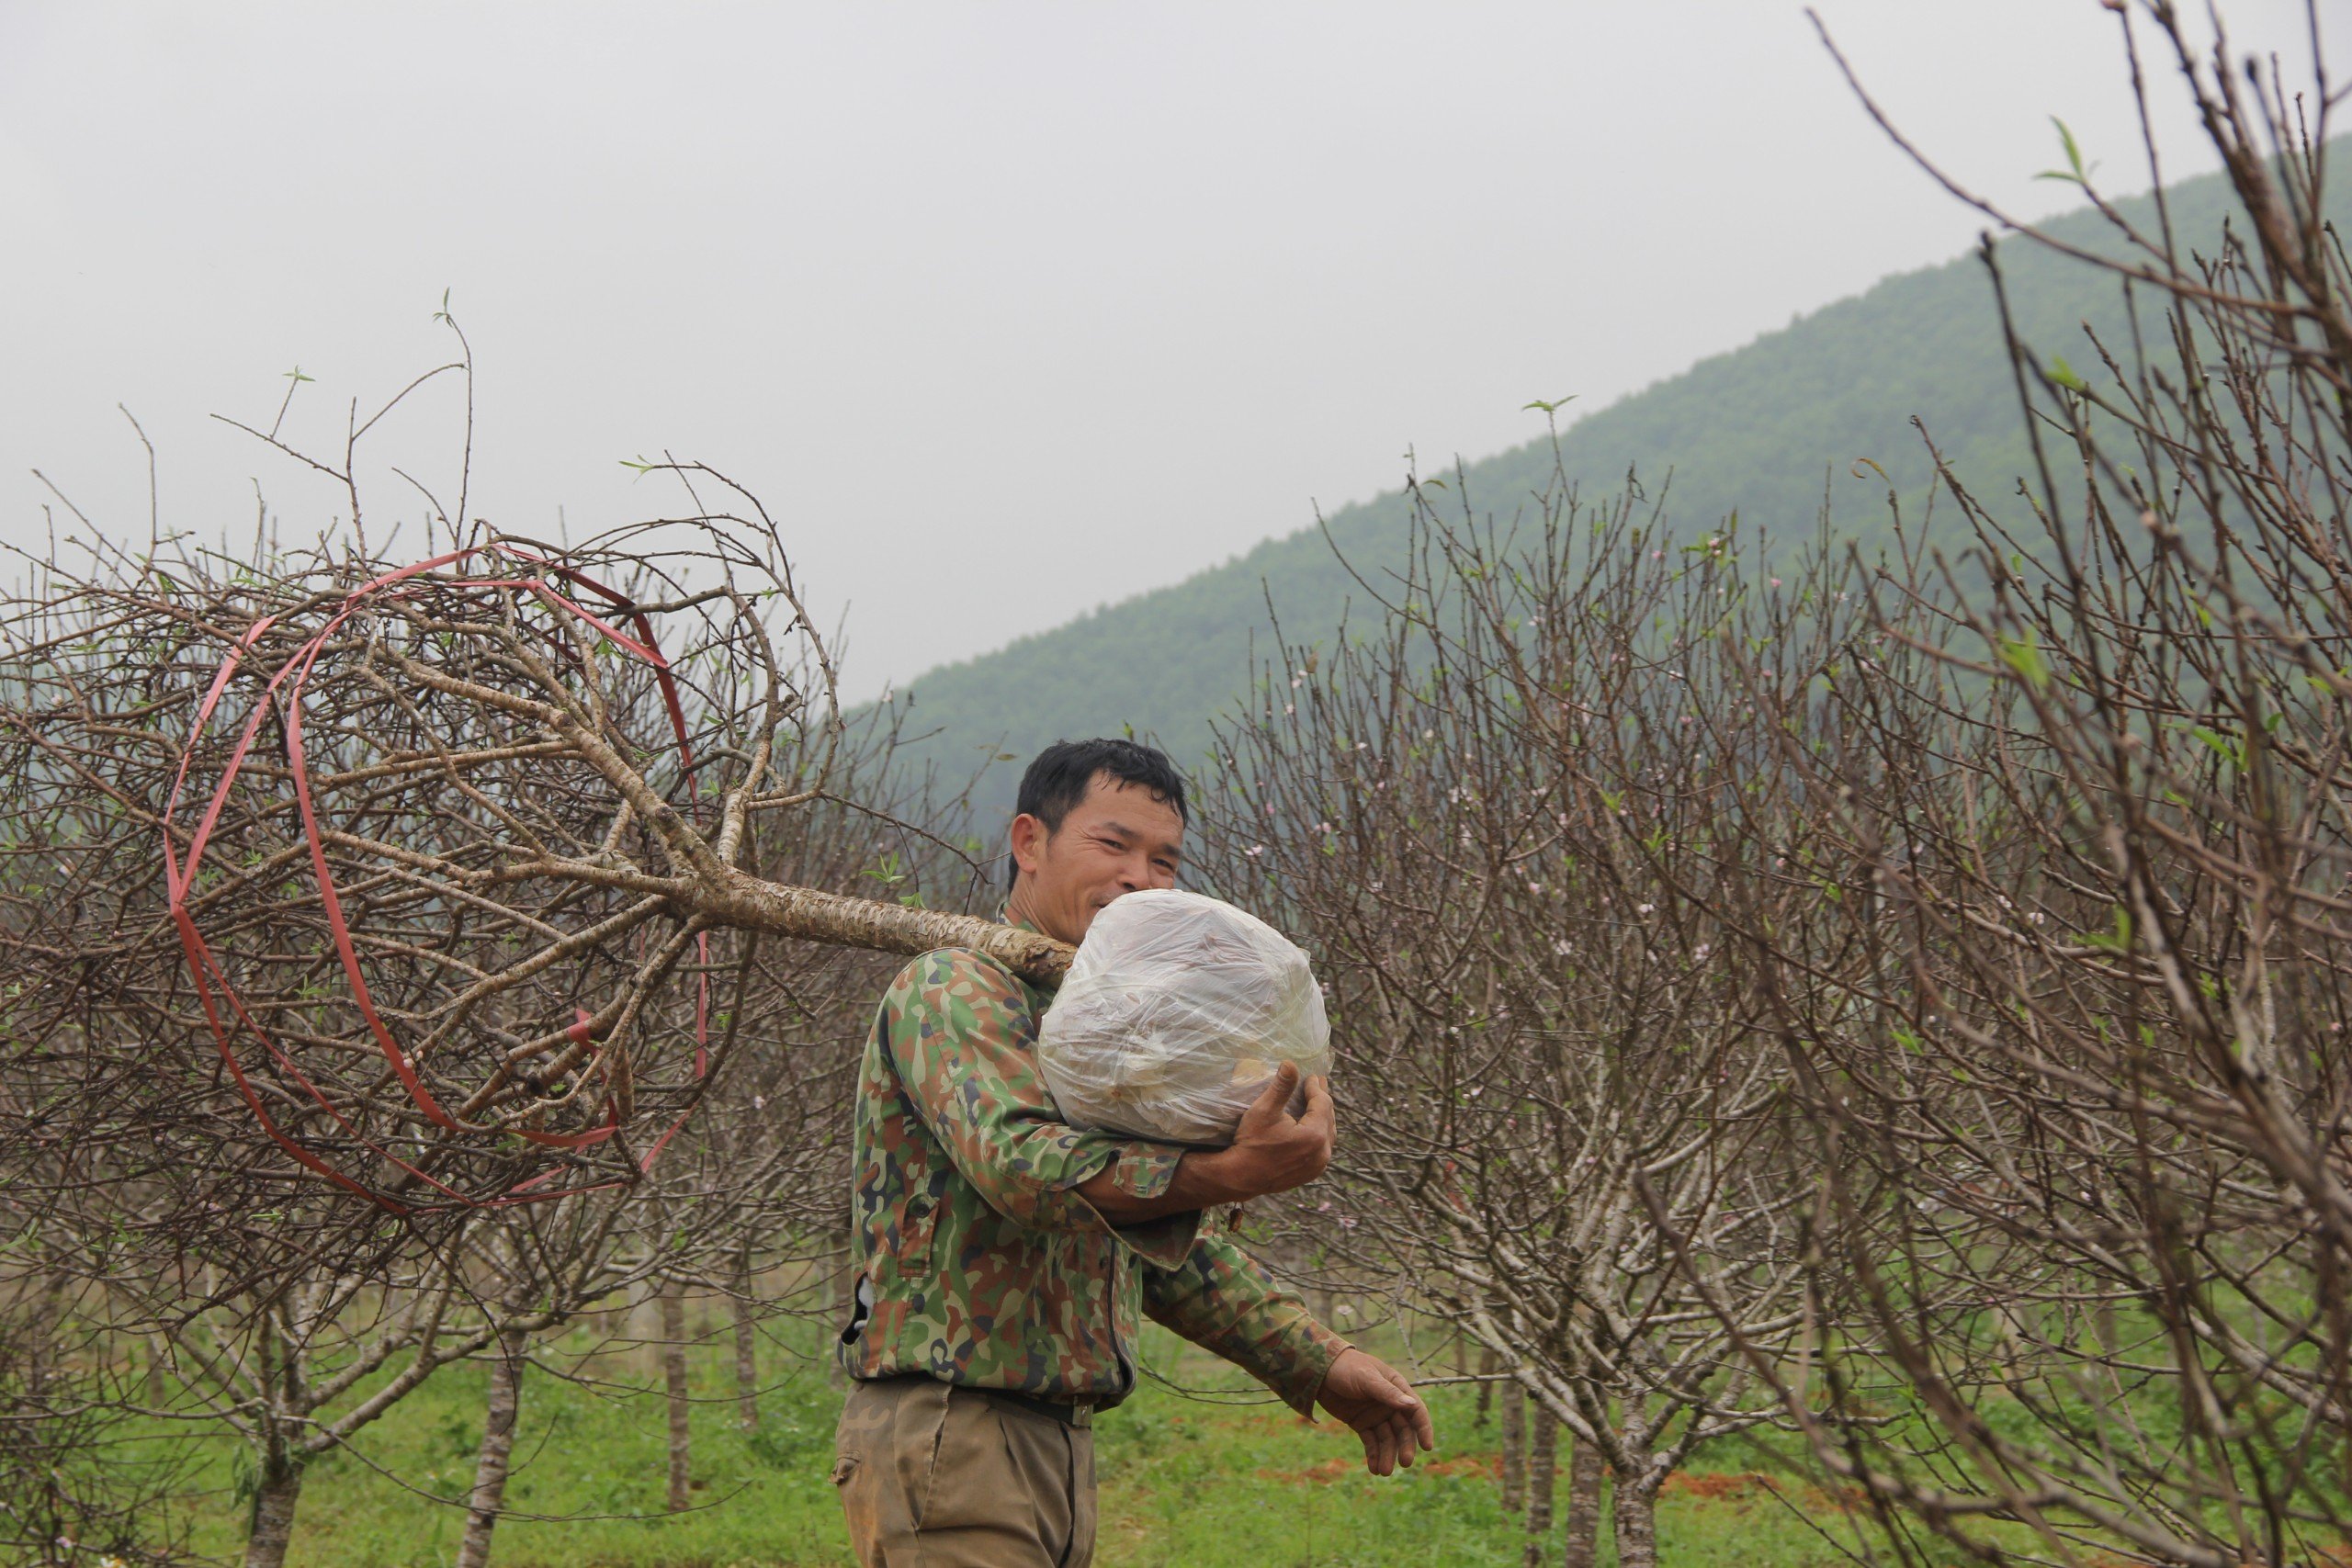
(1761, 429)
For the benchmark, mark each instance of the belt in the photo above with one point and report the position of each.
(1068, 1412)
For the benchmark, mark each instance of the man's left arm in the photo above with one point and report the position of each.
(1222, 1301)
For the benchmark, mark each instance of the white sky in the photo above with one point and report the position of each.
(1007, 309)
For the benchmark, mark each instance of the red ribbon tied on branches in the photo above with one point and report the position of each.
(218, 997)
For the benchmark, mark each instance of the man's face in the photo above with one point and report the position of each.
(1116, 839)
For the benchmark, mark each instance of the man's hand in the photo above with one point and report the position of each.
(1374, 1398)
(1272, 1151)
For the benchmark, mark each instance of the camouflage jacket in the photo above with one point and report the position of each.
(981, 1265)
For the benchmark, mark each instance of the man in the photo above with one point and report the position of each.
(1007, 1255)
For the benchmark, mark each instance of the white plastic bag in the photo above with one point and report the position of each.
(1175, 1013)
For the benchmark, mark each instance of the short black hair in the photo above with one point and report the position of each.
(1059, 776)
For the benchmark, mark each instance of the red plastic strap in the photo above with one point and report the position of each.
(172, 878)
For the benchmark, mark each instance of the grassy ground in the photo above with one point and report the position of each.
(1183, 1483)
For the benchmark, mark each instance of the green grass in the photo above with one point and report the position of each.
(1184, 1481)
(1187, 1484)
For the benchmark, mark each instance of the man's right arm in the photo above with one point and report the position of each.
(1271, 1152)
(956, 1041)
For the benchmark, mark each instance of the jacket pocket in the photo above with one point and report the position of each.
(917, 1228)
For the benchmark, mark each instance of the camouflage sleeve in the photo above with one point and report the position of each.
(958, 1044)
(1221, 1299)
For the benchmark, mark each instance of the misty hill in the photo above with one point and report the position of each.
(1762, 429)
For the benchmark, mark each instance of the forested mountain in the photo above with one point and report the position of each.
(1768, 429)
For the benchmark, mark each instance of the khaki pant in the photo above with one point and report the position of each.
(936, 1476)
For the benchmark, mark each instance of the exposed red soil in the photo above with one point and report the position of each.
(1712, 1487)
(1321, 1474)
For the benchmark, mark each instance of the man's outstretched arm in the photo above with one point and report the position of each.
(1222, 1301)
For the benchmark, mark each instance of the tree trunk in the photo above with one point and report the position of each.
(1487, 1363)
(155, 1355)
(1542, 1450)
(737, 898)
(1583, 1546)
(1514, 1400)
(278, 1486)
(673, 1371)
(497, 1448)
(1637, 1524)
(277, 1491)
(747, 1348)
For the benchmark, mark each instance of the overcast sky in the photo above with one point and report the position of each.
(1006, 309)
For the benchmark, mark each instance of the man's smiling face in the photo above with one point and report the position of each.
(1119, 837)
